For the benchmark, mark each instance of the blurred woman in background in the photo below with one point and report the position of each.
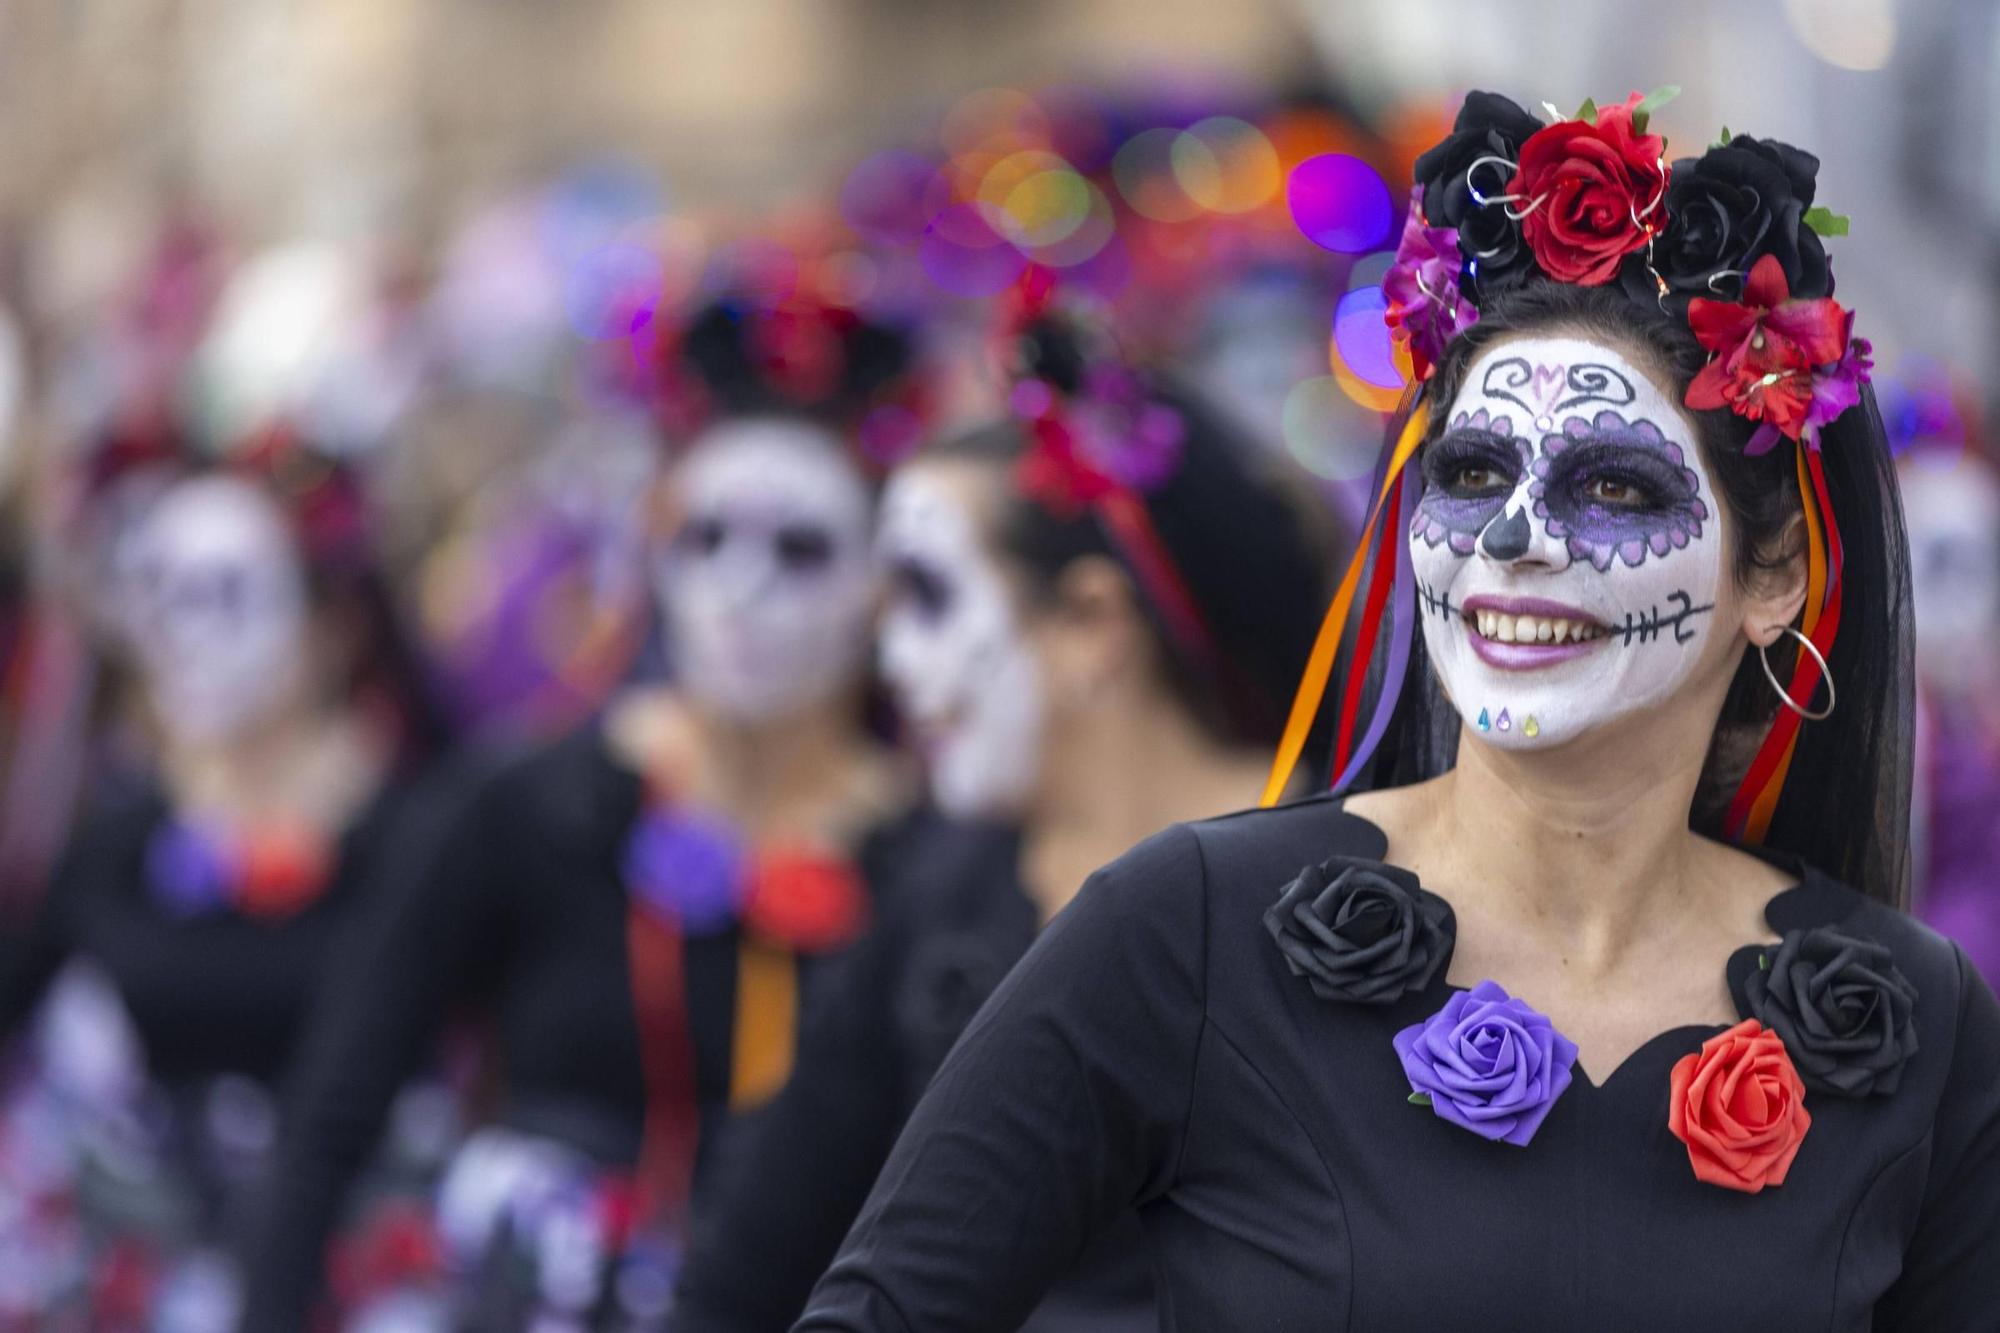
(639, 909)
(1097, 611)
(201, 902)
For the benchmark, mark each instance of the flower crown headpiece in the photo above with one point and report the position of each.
(1099, 443)
(1731, 241)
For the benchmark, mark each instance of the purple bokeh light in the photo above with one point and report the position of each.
(1361, 336)
(1340, 203)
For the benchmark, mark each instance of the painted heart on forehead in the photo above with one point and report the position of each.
(1567, 561)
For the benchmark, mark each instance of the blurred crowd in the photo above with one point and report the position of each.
(522, 754)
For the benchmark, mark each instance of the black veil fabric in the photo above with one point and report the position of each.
(1845, 806)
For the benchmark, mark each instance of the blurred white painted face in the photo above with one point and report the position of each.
(1953, 510)
(952, 650)
(220, 608)
(1567, 547)
(769, 585)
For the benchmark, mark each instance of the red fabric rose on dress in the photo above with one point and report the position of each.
(1767, 347)
(1740, 1108)
(807, 900)
(1590, 193)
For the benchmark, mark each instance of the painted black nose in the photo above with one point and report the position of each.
(1507, 538)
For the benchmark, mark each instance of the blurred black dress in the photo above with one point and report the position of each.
(955, 921)
(1154, 1050)
(165, 1096)
(516, 911)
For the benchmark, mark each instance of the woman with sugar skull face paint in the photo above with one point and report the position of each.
(644, 908)
(1586, 1000)
(1062, 710)
(196, 909)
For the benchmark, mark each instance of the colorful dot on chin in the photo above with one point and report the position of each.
(1505, 723)
(1530, 727)
(1485, 723)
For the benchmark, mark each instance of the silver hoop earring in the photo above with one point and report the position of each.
(1825, 672)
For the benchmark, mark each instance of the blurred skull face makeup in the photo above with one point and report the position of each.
(219, 608)
(1954, 518)
(769, 584)
(1567, 549)
(952, 650)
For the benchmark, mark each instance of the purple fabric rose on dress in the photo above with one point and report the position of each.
(1488, 1063)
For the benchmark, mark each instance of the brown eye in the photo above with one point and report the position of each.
(1476, 479)
(1612, 491)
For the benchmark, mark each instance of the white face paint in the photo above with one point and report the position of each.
(769, 584)
(1565, 496)
(219, 608)
(1953, 510)
(952, 650)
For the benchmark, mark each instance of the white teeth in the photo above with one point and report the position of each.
(1532, 629)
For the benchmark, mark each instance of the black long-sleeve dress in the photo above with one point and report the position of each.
(1155, 1050)
(516, 910)
(208, 993)
(956, 919)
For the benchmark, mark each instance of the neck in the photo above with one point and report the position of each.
(1582, 844)
(296, 761)
(1119, 772)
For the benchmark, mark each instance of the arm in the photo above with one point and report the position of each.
(793, 1179)
(428, 928)
(1951, 1270)
(1063, 1106)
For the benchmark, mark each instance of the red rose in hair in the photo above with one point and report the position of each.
(1591, 193)
(1740, 1108)
(1767, 347)
(808, 900)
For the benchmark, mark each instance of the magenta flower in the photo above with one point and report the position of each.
(1837, 387)
(1488, 1063)
(1426, 308)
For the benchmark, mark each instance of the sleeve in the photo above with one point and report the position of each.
(431, 927)
(1951, 1270)
(1064, 1105)
(792, 1181)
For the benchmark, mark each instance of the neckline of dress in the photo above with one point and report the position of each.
(1810, 900)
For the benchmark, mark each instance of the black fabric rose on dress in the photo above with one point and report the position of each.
(1727, 209)
(1841, 1007)
(1488, 125)
(1361, 931)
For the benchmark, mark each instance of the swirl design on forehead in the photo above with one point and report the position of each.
(1552, 389)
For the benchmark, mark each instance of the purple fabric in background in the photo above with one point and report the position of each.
(1959, 881)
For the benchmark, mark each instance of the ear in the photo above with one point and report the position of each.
(1095, 629)
(1779, 592)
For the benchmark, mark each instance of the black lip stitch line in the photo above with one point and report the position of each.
(1645, 627)
(1588, 382)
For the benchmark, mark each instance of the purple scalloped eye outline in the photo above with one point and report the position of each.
(1626, 538)
(1441, 520)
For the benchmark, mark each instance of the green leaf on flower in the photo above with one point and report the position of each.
(1651, 103)
(1420, 1099)
(1825, 221)
(1763, 962)
(1588, 111)
(1723, 142)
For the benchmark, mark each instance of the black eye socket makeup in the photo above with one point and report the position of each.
(803, 547)
(925, 588)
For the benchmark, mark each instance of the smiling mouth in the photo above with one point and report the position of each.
(1523, 635)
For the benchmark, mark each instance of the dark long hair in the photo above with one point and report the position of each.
(1239, 541)
(1846, 804)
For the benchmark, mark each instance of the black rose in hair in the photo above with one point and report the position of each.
(1727, 209)
(1361, 931)
(1841, 1007)
(1488, 125)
